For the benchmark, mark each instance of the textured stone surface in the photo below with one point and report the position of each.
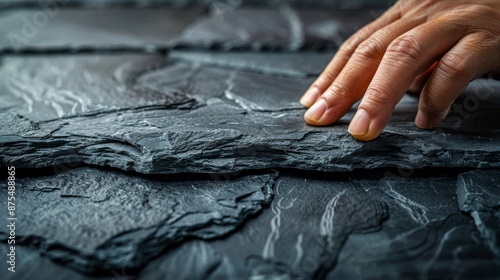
(479, 195)
(95, 220)
(333, 226)
(299, 64)
(30, 264)
(58, 29)
(426, 236)
(153, 115)
(284, 28)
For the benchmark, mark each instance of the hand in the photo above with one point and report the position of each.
(428, 46)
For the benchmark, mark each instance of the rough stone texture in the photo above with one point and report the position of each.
(426, 236)
(479, 195)
(73, 30)
(30, 264)
(95, 220)
(284, 28)
(333, 226)
(296, 65)
(150, 115)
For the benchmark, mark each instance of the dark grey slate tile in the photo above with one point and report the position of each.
(283, 28)
(96, 221)
(67, 86)
(242, 28)
(299, 65)
(298, 237)
(30, 264)
(127, 112)
(326, 28)
(58, 29)
(362, 225)
(479, 195)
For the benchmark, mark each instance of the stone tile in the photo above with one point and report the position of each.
(144, 114)
(362, 225)
(288, 64)
(68, 29)
(425, 236)
(283, 28)
(30, 264)
(479, 195)
(96, 221)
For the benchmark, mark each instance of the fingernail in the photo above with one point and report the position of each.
(422, 120)
(360, 123)
(317, 110)
(310, 97)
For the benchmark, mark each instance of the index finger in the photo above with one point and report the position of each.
(407, 57)
(343, 55)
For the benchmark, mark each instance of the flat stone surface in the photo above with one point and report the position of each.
(363, 225)
(479, 195)
(289, 64)
(283, 28)
(95, 221)
(69, 29)
(152, 115)
(30, 264)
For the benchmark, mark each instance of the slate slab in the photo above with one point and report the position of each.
(362, 225)
(54, 28)
(96, 221)
(298, 237)
(289, 64)
(284, 28)
(30, 264)
(152, 115)
(426, 236)
(479, 195)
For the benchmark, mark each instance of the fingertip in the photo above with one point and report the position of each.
(310, 97)
(316, 112)
(360, 124)
(365, 127)
(422, 120)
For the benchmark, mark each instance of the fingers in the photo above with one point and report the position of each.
(419, 83)
(406, 57)
(463, 63)
(352, 82)
(342, 57)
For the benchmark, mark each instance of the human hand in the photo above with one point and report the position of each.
(435, 47)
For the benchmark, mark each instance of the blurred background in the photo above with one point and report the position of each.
(327, 4)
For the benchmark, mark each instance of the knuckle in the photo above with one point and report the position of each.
(325, 78)
(375, 98)
(433, 108)
(335, 92)
(405, 47)
(370, 49)
(350, 45)
(454, 66)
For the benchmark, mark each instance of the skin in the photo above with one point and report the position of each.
(435, 47)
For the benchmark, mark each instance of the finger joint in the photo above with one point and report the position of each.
(371, 49)
(405, 47)
(454, 66)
